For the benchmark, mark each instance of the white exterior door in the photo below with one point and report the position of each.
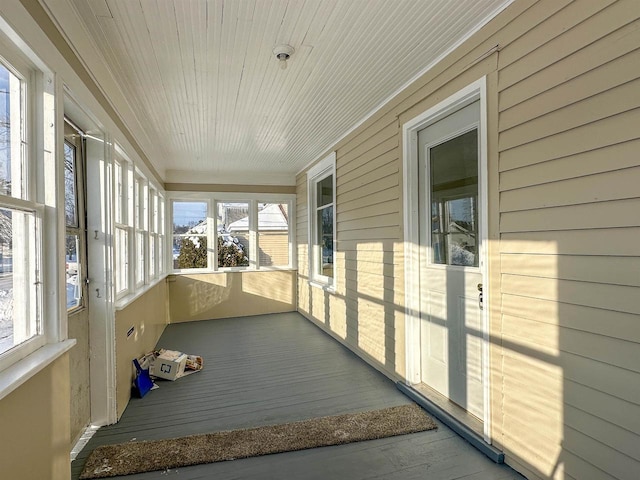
(451, 333)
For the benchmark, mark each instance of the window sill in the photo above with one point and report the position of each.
(17, 374)
(323, 286)
(125, 300)
(194, 271)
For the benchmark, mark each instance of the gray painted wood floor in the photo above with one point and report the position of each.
(280, 368)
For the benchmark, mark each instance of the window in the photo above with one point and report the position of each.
(123, 227)
(247, 231)
(190, 231)
(153, 232)
(21, 330)
(321, 187)
(75, 245)
(139, 217)
(161, 236)
(142, 225)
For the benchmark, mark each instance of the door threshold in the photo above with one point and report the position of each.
(467, 432)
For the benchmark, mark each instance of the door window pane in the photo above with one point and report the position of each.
(454, 200)
(70, 197)
(73, 269)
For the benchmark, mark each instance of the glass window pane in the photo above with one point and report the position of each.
(233, 234)
(161, 216)
(152, 256)
(18, 312)
(154, 212)
(190, 252)
(118, 194)
(70, 197)
(325, 240)
(129, 197)
(188, 216)
(140, 257)
(11, 135)
(325, 191)
(122, 260)
(73, 271)
(273, 234)
(454, 198)
(160, 255)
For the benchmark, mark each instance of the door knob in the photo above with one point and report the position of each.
(479, 287)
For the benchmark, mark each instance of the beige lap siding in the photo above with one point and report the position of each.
(563, 96)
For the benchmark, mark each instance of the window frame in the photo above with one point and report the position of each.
(138, 220)
(125, 225)
(213, 199)
(319, 172)
(49, 340)
(152, 255)
(141, 230)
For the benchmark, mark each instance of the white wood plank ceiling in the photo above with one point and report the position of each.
(207, 92)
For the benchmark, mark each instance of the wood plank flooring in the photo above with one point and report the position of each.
(280, 368)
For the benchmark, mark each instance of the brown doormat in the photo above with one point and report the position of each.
(138, 457)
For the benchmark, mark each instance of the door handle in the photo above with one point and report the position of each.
(480, 298)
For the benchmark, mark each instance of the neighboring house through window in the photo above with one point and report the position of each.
(322, 195)
(249, 234)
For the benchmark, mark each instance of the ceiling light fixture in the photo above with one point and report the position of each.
(283, 53)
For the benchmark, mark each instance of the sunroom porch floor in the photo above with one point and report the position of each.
(280, 368)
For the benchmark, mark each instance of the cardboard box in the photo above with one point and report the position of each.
(169, 364)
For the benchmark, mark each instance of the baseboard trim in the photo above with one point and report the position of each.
(461, 429)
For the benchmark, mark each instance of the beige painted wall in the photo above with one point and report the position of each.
(148, 315)
(35, 426)
(231, 294)
(563, 115)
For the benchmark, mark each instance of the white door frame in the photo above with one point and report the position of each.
(473, 92)
(100, 297)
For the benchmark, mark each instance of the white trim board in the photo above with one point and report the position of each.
(471, 93)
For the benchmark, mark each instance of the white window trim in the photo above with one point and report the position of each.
(43, 124)
(212, 199)
(135, 220)
(80, 230)
(324, 168)
(124, 224)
